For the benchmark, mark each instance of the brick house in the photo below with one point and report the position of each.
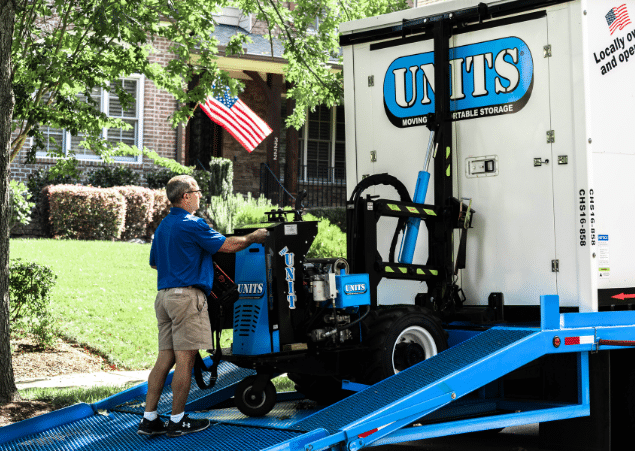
(307, 158)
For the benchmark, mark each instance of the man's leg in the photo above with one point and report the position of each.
(151, 423)
(156, 379)
(182, 379)
(180, 423)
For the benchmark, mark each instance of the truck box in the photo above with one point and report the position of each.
(542, 118)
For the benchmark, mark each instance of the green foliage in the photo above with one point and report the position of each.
(228, 213)
(86, 213)
(109, 176)
(20, 204)
(310, 50)
(329, 242)
(336, 215)
(30, 287)
(222, 177)
(64, 397)
(63, 49)
(44, 177)
(104, 294)
(139, 211)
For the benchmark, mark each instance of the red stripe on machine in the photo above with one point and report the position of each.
(367, 433)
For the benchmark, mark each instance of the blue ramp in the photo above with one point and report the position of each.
(449, 371)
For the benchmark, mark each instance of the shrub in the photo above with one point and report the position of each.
(158, 179)
(86, 213)
(139, 210)
(160, 209)
(222, 177)
(44, 177)
(109, 176)
(20, 205)
(29, 297)
(329, 242)
(335, 215)
(252, 211)
(227, 213)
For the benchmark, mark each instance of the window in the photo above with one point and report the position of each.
(109, 103)
(322, 145)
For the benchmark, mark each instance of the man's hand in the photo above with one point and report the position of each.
(238, 243)
(259, 236)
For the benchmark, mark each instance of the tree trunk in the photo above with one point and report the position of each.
(8, 390)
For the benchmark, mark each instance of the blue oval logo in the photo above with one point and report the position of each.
(488, 79)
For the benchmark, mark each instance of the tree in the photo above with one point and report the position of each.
(8, 390)
(54, 53)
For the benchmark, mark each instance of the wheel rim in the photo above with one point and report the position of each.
(253, 401)
(408, 345)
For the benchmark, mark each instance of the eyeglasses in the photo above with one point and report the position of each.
(194, 191)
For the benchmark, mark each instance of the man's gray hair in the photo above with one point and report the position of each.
(177, 186)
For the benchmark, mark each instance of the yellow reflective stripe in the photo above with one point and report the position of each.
(447, 152)
(403, 270)
(394, 207)
(412, 210)
(420, 271)
(388, 269)
(447, 171)
(429, 212)
(434, 272)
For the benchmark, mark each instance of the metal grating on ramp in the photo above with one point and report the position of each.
(283, 416)
(404, 383)
(228, 375)
(118, 432)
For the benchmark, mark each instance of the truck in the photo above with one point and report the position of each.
(488, 279)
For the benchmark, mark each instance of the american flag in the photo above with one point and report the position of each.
(617, 18)
(237, 118)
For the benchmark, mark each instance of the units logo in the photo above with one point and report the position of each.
(355, 288)
(289, 262)
(488, 79)
(251, 290)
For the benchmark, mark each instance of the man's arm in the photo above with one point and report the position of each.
(234, 244)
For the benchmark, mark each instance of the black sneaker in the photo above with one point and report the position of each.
(154, 427)
(187, 425)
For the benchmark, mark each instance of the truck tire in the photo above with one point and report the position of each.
(398, 338)
(251, 404)
(324, 390)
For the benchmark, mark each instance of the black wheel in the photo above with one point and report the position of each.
(324, 390)
(398, 338)
(254, 404)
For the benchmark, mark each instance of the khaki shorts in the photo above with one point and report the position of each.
(183, 319)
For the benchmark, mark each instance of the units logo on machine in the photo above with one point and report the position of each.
(355, 288)
(289, 262)
(488, 79)
(251, 290)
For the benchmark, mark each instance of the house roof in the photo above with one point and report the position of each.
(257, 56)
(259, 47)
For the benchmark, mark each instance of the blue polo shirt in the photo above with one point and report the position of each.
(182, 251)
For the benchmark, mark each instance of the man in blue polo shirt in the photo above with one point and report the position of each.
(181, 253)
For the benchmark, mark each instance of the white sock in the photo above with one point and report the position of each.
(177, 418)
(150, 416)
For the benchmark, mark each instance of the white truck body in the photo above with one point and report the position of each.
(554, 84)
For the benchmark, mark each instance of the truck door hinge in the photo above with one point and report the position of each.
(551, 136)
(555, 265)
(547, 49)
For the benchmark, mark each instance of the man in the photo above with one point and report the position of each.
(181, 253)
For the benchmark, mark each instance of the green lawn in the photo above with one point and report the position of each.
(104, 296)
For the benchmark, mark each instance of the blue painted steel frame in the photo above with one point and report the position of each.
(390, 421)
